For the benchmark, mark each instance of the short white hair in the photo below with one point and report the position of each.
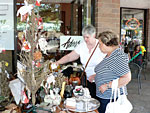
(89, 29)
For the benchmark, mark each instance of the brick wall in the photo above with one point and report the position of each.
(107, 16)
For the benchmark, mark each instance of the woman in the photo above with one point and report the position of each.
(84, 51)
(138, 52)
(126, 50)
(114, 65)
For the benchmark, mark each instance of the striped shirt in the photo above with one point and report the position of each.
(112, 67)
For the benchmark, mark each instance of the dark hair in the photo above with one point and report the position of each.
(109, 38)
(136, 47)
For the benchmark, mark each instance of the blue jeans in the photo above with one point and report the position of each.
(103, 104)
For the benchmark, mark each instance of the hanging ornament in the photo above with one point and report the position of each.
(37, 55)
(40, 23)
(42, 43)
(37, 64)
(24, 11)
(24, 98)
(38, 2)
(26, 46)
(24, 17)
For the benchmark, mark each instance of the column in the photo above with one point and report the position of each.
(107, 15)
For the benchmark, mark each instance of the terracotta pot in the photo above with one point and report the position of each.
(74, 80)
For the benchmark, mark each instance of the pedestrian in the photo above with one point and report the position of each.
(83, 51)
(126, 50)
(113, 66)
(137, 54)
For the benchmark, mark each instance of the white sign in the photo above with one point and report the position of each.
(6, 24)
(70, 42)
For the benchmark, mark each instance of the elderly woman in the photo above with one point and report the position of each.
(83, 51)
(114, 65)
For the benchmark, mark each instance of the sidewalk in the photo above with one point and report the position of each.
(141, 103)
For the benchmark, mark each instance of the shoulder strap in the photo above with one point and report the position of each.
(83, 73)
(90, 56)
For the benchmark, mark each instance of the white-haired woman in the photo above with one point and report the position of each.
(84, 51)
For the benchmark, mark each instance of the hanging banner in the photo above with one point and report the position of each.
(70, 42)
(6, 25)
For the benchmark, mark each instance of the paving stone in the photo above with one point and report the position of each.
(141, 103)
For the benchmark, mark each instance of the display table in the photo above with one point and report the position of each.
(82, 106)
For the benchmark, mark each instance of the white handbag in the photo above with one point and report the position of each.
(122, 104)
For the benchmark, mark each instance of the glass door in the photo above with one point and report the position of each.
(132, 27)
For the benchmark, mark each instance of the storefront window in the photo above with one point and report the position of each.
(59, 18)
(67, 17)
(132, 26)
(50, 17)
(86, 12)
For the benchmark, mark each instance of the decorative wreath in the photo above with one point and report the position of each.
(138, 23)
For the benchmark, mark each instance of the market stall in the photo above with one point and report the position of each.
(39, 85)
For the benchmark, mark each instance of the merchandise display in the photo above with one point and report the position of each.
(39, 84)
(82, 104)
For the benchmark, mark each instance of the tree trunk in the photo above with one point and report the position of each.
(33, 98)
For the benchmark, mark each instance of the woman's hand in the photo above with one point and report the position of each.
(103, 88)
(92, 78)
